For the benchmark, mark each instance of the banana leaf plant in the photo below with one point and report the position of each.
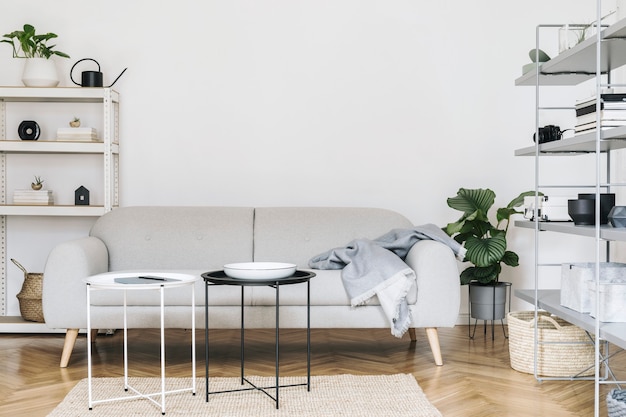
(484, 241)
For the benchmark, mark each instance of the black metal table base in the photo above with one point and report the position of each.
(219, 278)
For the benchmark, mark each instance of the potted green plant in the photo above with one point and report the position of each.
(39, 69)
(486, 246)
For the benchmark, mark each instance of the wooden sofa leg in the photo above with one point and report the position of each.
(68, 346)
(433, 340)
(412, 334)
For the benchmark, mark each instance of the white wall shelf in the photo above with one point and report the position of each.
(578, 64)
(606, 232)
(35, 146)
(610, 140)
(108, 148)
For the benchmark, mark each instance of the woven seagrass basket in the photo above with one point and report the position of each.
(616, 403)
(563, 349)
(30, 295)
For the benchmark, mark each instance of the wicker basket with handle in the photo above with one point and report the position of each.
(30, 295)
(564, 350)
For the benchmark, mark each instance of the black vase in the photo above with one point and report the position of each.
(607, 201)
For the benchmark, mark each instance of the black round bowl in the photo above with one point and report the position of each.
(583, 211)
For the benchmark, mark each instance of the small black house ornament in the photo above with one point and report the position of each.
(81, 196)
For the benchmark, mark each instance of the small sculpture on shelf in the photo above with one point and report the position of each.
(81, 196)
(37, 184)
(75, 122)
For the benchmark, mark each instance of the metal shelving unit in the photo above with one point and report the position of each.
(593, 59)
(109, 150)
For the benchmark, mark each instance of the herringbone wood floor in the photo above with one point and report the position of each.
(476, 379)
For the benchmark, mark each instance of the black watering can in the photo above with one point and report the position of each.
(91, 78)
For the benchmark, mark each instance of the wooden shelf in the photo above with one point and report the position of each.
(24, 210)
(16, 324)
(50, 146)
(57, 94)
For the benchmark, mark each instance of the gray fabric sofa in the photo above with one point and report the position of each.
(200, 239)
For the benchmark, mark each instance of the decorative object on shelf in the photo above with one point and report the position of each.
(37, 184)
(583, 209)
(571, 35)
(548, 133)
(564, 350)
(607, 202)
(611, 296)
(583, 212)
(538, 57)
(28, 130)
(617, 216)
(75, 122)
(548, 209)
(79, 134)
(92, 78)
(33, 197)
(574, 277)
(30, 295)
(81, 196)
(39, 69)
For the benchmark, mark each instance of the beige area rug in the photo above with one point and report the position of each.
(341, 395)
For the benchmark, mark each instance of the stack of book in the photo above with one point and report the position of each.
(81, 134)
(33, 197)
(612, 112)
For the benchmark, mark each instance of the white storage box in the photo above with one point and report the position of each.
(575, 293)
(612, 300)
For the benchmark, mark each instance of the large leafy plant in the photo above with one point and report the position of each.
(27, 44)
(485, 242)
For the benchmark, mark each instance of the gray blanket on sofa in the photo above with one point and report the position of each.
(377, 267)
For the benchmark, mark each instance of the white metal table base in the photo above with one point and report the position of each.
(127, 386)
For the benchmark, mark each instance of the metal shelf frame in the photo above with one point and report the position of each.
(109, 149)
(592, 59)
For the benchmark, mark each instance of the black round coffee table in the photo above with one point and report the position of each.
(216, 278)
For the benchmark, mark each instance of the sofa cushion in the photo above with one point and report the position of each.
(202, 238)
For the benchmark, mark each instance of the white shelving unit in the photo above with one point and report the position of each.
(108, 149)
(593, 59)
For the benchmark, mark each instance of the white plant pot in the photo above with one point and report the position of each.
(40, 72)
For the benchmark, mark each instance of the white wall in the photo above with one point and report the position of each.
(392, 104)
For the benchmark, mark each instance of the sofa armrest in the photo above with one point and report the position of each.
(64, 292)
(438, 284)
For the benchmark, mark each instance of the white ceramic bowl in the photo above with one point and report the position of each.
(259, 270)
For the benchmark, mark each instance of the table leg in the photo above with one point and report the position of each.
(308, 335)
(241, 341)
(162, 292)
(125, 345)
(206, 340)
(193, 339)
(277, 339)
